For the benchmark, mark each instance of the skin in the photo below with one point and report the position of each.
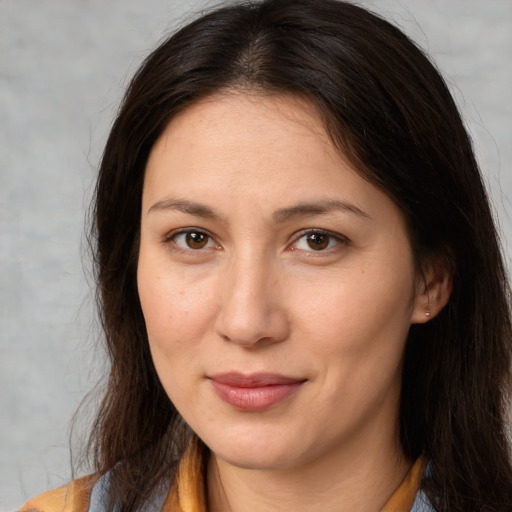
(253, 295)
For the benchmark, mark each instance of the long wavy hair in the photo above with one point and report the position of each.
(388, 110)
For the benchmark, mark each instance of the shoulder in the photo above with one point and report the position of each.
(73, 497)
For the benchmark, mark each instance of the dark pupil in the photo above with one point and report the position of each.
(197, 240)
(317, 241)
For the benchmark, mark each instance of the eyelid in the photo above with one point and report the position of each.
(169, 238)
(340, 239)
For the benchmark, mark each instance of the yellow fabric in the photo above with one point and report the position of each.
(187, 493)
(403, 498)
(73, 497)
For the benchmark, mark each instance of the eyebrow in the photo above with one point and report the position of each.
(317, 208)
(280, 216)
(185, 206)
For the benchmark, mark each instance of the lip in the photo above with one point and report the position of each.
(254, 392)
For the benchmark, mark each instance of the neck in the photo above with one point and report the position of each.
(359, 478)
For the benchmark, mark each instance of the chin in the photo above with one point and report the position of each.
(254, 457)
(258, 449)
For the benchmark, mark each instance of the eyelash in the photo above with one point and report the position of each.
(332, 237)
(171, 238)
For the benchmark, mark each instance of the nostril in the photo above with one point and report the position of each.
(224, 337)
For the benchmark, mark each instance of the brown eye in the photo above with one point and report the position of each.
(192, 239)
(317, 241)
(320, 241)
(196, 240)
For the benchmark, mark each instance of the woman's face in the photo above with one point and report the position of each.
(277, 285)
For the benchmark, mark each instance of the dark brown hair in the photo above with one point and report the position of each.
(387, 109)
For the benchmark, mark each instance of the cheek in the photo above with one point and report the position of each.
(175, 316)
(355, 333)
(359, 322)
(177, 312)
(171, 303)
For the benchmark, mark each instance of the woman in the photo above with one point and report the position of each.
(299, 278)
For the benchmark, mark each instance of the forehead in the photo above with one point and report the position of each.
(245, 136)
(265, 151)
(255, 119)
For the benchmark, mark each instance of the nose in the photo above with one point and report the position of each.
(252, 311)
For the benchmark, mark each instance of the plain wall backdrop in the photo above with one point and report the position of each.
(63, 68)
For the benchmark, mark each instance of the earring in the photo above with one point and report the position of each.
(427, 312)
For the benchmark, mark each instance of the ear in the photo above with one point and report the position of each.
(433, 289)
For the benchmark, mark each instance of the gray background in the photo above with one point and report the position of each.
(63, 66)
